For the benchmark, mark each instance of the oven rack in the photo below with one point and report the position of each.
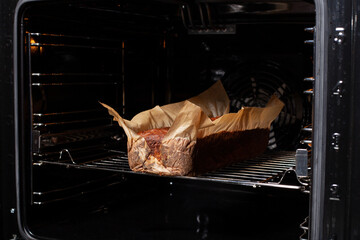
(270, 169)
(75, 190)
(55, 80)
(61, 40)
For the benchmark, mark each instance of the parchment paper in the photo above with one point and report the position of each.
(189, 121)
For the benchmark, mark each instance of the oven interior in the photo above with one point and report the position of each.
(134, 55)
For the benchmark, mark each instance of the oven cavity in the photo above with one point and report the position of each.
(134, 55)
(70, 73)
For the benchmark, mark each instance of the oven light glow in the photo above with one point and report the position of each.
(35, 49)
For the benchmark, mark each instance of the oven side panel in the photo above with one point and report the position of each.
(8, 210)
(339, 143)
(354, 169)
(334, 122)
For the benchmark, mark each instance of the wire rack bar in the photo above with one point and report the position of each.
(262, 170)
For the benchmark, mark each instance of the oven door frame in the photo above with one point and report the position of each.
(9, 224)
(22, 121)
(327, 161)
(335, 171)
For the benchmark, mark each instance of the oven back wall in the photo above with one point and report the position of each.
(251, 67)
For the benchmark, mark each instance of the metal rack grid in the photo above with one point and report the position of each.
(54, 127)
(269, 169)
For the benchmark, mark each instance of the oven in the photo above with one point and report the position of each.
(64, 166)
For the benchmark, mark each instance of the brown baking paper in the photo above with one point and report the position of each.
(195, 144)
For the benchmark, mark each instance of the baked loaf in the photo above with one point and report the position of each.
(186, 138)
(214, 151)
(221, 149)
(153, 138)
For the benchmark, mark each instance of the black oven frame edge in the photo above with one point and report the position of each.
(334, 214)
(20, 124)
(13, 212)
